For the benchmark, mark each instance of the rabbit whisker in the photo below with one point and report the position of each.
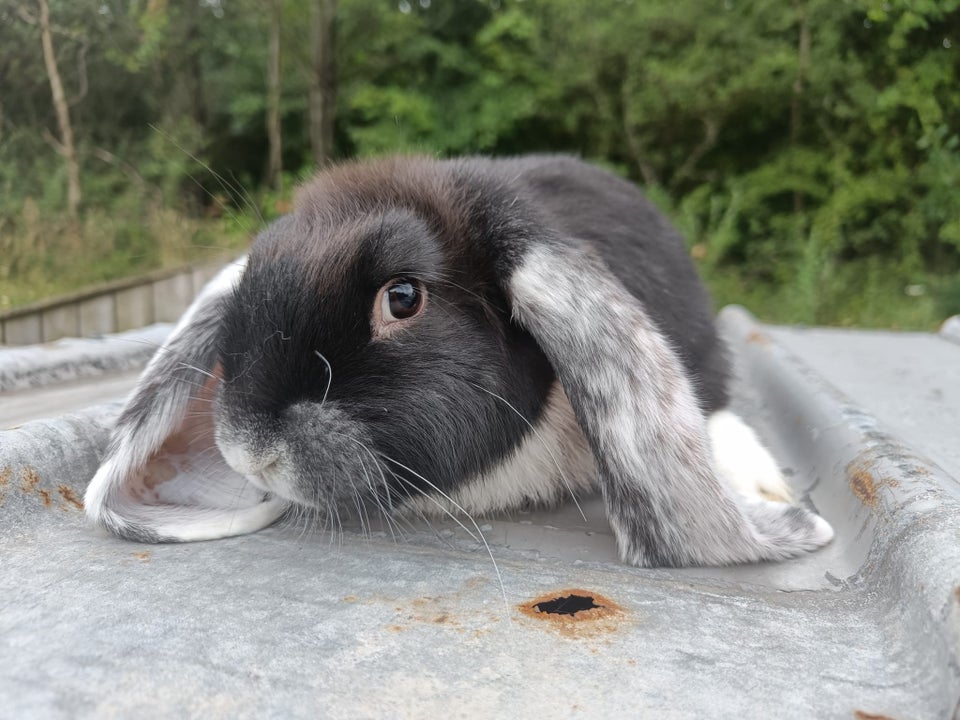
(482, 539)
(329, 375)
(545, 445)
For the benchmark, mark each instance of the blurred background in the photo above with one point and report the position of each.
(808, 149)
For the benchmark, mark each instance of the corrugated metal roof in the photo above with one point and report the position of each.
(287, 623)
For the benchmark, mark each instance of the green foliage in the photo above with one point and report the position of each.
(809, 151)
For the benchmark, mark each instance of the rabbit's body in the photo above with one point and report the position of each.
(468, 334)
(640, 248)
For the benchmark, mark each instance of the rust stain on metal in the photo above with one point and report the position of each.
(143, 556)
(446, 611)
(861, 715)
(864, 487)
(434, 610)
(5, 476)
(70, 497)
(576, 612)
(865, 484)
(29, 479)
(45, 496)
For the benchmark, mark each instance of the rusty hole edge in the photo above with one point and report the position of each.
(600, 607)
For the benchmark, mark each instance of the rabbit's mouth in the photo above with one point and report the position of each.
(262, 469)
(310, 454)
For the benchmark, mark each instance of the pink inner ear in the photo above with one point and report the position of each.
(188, 469)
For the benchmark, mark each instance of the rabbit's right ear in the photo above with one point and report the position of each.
(636, 406)
(163, 478)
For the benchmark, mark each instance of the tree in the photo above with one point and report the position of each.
(323, 78)
(65, 145)
(275, 162)
(801, 146)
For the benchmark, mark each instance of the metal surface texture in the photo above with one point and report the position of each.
(291, 622)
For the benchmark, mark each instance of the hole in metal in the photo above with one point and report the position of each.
(568, 605)
(576, 613)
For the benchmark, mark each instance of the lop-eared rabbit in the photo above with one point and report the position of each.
(468, 336)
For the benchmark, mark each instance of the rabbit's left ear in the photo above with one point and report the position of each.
(635, 404)
(163, 478)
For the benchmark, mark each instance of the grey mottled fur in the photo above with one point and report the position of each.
(637, 409)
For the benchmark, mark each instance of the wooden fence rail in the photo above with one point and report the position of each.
(160, 296)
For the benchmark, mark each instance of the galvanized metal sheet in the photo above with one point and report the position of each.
(295, 623)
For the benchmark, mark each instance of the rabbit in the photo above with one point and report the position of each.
(469, 335)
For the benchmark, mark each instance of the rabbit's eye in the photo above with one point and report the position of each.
(401, 299)
(398, 301)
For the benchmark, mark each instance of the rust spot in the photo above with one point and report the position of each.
(866, 485)
(863, 486)
(396, 628)
(67, 494)
(45, 496)
(575, 612)
(475, 583)
(441, 611)
(5, 476)
(861, 715)
(349, 598)
(758, 338)
(143, 556)
(29, 479)
(432, 610)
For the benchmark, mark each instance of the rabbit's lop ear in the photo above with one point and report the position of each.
(636, 406)
(163, 478)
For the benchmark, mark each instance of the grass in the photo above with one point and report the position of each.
(42, 257)
(859, 294)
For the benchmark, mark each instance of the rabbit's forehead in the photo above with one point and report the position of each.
(352, 253)
(316, 285)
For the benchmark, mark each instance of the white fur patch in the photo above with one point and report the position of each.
(742, 460)
(552, 463)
